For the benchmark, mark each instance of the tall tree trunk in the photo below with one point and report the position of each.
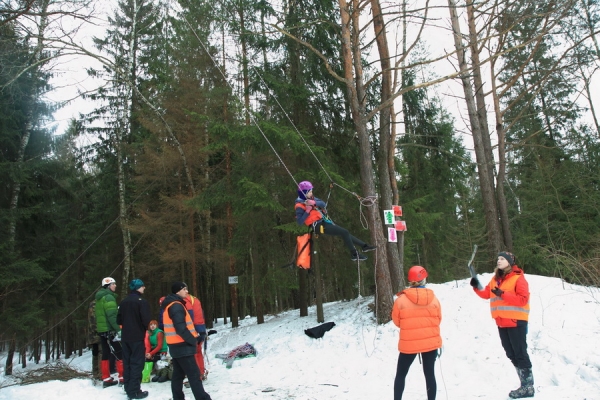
(257, 293)
(352, 61)
(232, 272)
(314, 265)
(386, 146)
(12, 345)
(506, 236)
(123, 215)
(502, 205)
(23, 354)
(483, 163)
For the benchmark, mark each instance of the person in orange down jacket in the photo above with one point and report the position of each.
(194, 308)
(508, 292)
(418, 314)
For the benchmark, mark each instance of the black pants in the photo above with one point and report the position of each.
(336, 230)
(107, 352)
(514, 341)
(186, 366)
(404, 363)
(134, 358)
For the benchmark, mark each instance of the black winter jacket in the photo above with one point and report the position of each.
(177, 314)
(134, 317)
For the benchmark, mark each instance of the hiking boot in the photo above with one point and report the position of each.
(138, 395)
(366, 248)
(358, 257)
(155, 378)
(108, 383)
(162, 379)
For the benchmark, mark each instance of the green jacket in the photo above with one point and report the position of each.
(106, 311)
(153, 338)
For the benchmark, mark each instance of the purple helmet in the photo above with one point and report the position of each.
(305, 186)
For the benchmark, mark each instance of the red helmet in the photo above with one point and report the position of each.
(417, 274)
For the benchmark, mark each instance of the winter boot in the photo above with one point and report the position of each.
(119, 365)
(526, 389)
(107, 380)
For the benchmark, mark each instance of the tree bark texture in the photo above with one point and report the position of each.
(386, 146)
(483, 162)
(356, 93)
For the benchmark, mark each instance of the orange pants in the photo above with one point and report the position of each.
(200, 358)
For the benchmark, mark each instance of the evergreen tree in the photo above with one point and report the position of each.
(130, 44)
(542, 123)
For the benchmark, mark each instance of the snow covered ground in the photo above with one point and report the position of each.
(356, 360)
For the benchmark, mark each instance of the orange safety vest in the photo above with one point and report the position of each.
(170, 334)
(314, 215)
(501, 308)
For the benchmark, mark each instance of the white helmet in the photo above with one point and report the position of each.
(107, 281)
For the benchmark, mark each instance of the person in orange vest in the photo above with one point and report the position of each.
(182, 340)
(508, 292)
(311, 211)
(418, 314)
(194, 307)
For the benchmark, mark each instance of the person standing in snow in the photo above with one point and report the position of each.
(183, 341)
(418, 314)
(108, 330)
(508, 292)
(311, 211)
(93, 340)
(194, 308)
(134, 317)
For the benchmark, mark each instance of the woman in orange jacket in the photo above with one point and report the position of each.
(418, 314)
(508, 292)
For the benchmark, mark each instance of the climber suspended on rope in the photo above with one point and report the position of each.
(311, 211)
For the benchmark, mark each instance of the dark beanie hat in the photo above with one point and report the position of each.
(510, 257)
(177, 286)
(135, 284)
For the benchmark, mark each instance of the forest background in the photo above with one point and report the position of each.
(208, 114)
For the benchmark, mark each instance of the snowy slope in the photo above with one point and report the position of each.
(357, 358)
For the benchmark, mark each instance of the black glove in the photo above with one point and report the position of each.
(498, 292)
(211, 332)
(474, 282)
(201, 336)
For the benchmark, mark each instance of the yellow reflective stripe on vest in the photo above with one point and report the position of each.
(501, 309)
